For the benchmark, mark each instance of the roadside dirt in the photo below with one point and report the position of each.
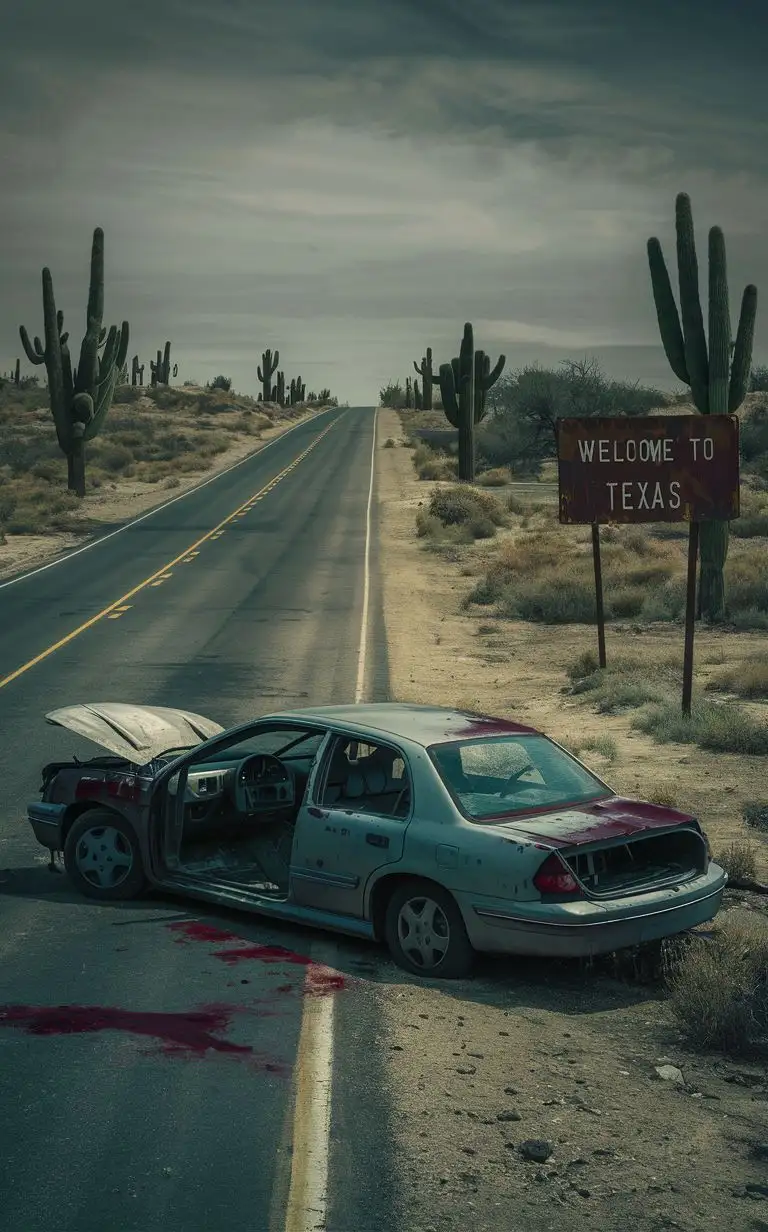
(125, 498)
(562, 1053)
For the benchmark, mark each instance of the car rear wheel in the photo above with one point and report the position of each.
(102, 857)
(425, 932)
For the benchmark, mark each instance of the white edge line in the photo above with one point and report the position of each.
(317, 1027)
(166, 505)
(362, 651)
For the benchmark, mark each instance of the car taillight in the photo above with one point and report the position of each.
(554, 878)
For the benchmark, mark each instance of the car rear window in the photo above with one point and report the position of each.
(512, 774)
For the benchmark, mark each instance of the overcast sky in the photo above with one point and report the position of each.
(350, 181)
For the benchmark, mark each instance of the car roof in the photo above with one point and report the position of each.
(424, 725)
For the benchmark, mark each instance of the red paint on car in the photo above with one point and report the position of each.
(194, 1033)
(480, 725)
(596, 821)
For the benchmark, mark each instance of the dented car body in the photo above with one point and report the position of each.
(441, 832)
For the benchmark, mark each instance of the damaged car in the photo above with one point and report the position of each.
(439, 832)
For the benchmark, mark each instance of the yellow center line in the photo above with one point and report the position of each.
(187, 555)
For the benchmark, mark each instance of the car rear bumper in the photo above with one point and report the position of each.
(586, 927)
(46, 821)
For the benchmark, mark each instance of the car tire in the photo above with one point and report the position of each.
(102, 857)
(425, 932)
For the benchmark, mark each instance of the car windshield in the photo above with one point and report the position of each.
(512, 774)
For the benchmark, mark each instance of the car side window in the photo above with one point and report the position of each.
(366, 778)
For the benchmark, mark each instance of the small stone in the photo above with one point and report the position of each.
(583, 1193)
(480, 1056)
(671, 1073)
(512, 1115)
(395, 1048)
(466, 1069)
(536, 1149)
(469, 1150)
(504, 1033)
(511, 1091)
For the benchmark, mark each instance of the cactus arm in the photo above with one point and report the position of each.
(666, 312)
(448, 393)
(742, 351)
(33, 352)
(88, 367)
(420, 369)
(495, 373)
(696, 359)
(719, 325)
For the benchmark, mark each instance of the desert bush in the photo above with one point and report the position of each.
(662, 796)
(739, 859)
(389, 443)
(758, 380)
(221, 382)
(718, 988)
(606, 746)
(721, 728)
(748, 678)
(497, 477)
(585, 665)
(755, 814)
(459, 505)
(392, 395)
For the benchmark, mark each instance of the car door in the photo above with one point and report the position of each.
(352, 822)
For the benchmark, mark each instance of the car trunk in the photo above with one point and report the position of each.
(618, 847)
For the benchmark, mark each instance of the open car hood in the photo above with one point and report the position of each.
(137, 733)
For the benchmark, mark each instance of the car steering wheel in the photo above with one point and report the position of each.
(252, 771)
(516, 774)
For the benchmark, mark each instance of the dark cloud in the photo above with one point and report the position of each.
(308, 167)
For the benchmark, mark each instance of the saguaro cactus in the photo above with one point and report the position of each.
(428, 379)
(137, 372)
(408, 397)
(418, 400)
(81, 399)
(450, 390)
(457, 389)
(266, 372)
(160, 368)
(718, 375)
(278, 390)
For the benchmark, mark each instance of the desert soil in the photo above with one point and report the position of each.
(564, 1053)
(125, 499)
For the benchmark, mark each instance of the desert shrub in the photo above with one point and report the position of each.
(723, 729)
(753, 519)
(627, 601)
(497, 477)
(549, 600)
(662, 796)
(739, 859)
(389, 443)
(221, 382)
(748, 679)
(718, 988)
(392, 395)
(111, 456)
(606, 746)
(459, 505)
(758, 380)
(585, 665)
(755, 814)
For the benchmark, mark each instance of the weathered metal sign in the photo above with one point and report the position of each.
(661, 468)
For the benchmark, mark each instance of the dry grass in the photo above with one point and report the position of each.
(739, 859)
(719, 988)
(748, 678)
(151, 436)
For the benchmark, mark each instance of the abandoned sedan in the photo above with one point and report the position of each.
(438, 831)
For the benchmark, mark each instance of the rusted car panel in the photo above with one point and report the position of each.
(439, 831)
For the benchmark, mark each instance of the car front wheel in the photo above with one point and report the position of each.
(425, 932)
(102, 857)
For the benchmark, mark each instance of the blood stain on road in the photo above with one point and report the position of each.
(190, 1034)
(320, 980)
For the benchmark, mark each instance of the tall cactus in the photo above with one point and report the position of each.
(428, 379)
(160, 368)
(137, 371)
(266, 372)
(418, 400)
(17, 373)
(278, 390)
(408, 398)
(81, 399)
(718, 376)
(457, 389)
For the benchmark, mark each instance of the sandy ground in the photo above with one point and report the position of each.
(537, 1051)
(128, 498)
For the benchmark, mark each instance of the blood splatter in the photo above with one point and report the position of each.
(264, 953)
(320, 980)
(197, 930)
(191, 1034)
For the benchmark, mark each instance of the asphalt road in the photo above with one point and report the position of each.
(145, 1118)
